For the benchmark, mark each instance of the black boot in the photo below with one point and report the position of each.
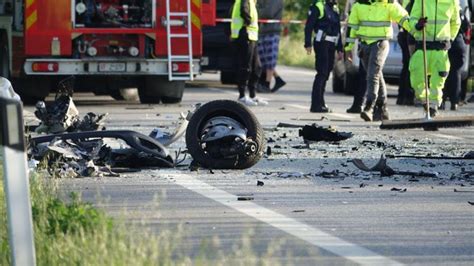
(433, 109)
(279, 82)
(368, 111)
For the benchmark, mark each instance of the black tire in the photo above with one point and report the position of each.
(170, 100)
(33, 89)
(228, 77)
(157, 87)
(124, 94)
(233, 110)
(4, 61)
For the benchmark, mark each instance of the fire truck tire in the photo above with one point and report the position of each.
(33, 89)
(235, 111)
(4, 60)
(125, 94)
(156, 88)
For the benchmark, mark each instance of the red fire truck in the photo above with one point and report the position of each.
(108, 45)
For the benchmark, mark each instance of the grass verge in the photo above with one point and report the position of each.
(77, 233)
(292, 52)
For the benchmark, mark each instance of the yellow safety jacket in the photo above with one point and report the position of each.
(443, 20)
(238, 22)
(372, 23)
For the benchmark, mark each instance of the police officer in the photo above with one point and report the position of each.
(244, 32)
(441, 23)
(323, 20)
(372, 24)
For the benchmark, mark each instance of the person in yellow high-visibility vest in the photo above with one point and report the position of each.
(244, 33)
(441, 24)
(371, 23)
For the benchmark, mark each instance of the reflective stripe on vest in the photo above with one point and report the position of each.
(375, 23)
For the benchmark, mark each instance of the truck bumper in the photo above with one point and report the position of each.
(55, 66)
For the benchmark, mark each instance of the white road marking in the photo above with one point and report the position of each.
(289, 225)
(297, 106)
(444, 136)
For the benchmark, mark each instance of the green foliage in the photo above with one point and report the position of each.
(64, 218)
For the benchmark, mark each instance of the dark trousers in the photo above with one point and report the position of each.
(324, 63)
(456, 55)
(360, 87)
(248, 64)
(406, 94)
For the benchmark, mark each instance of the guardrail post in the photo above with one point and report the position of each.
(16, 183)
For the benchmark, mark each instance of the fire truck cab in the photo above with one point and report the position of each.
(108, 45)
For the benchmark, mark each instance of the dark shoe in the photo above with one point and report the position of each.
(433, 110)
(377, 114)
(354, 110)
(410, 101)
(368, 112)
(279, 82)
(442, 106)
(320, 110)
(263, 87)
(454, 107)
(400, 101)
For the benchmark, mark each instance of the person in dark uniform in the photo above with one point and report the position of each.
(323, 20)
(406, 94)
(457, 56)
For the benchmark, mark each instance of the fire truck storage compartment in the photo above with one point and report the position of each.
(113, 13)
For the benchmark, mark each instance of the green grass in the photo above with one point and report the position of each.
(292, 52)
(73, 232)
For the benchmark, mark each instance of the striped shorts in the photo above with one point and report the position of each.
(268, 45)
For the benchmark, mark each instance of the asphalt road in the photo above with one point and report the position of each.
(314, 205)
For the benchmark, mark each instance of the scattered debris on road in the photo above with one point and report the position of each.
(317, 133)
(245, 197)
(386, 170)
(463, 191)
(260, 183)
(401, 190)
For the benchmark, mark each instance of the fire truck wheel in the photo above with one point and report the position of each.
(214, 136)
(156, 88)
(33, 89)
(125, 94)
(4, 60)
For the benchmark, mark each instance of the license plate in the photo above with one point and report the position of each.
(112, 67)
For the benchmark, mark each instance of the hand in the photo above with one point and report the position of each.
(309, 50)
(340, 56)
(421, 23)
(349, 56)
